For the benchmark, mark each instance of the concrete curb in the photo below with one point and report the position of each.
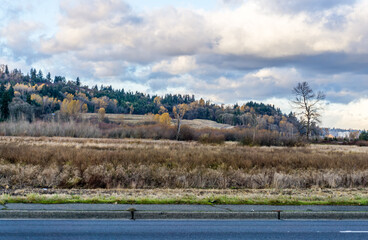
(14, 214)
(206, 215)
(21, 214)
(324, 215)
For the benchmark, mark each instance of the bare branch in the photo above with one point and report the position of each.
(308, 104)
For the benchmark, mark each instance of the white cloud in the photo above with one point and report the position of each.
(351, 115)
(253, 29)
(257, 85)
(17, 35)
(109, 30)
(178, 65)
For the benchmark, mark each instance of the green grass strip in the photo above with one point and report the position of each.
(220, 200)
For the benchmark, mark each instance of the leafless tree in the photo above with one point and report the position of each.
(308, 105)
(179, 112)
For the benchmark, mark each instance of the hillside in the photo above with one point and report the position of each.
(32, 96)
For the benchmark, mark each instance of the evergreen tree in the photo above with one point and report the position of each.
(78, 83)
(6, 70)
(59, 79)
(40, 76)
(5, 100)
(364, 136)
(2, 89)
(11, 92)
(33, 74)
(29, 100)
(48, 77)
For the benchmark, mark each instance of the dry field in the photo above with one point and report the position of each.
(133, 119)
(64, 163)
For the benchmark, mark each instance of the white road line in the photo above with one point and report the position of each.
(353, 231)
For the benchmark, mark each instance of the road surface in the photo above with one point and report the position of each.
(188, 229)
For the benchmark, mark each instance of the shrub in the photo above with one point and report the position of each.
(102, 163)
(212, 138)
(151, 130)
(187, 133)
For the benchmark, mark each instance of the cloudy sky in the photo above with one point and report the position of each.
(227, 51)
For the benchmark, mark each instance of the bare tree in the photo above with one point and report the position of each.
(179, 112)
(308, 105)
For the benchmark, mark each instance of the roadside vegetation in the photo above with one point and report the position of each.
(316, 196)
(148, 164)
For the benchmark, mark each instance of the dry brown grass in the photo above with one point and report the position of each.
(114, 163)
(133, 119)
(148, 130)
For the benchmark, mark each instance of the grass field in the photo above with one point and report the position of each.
(164, 171)
(137, 163)
(133, 119)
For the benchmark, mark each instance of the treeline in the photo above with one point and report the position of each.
(37, 96)
(156, 131)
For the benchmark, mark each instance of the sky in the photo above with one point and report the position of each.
(227, 51)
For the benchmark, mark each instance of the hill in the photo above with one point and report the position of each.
(32, 96)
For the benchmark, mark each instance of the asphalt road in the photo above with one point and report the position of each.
(189, 229)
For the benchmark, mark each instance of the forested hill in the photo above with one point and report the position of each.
(36, 95)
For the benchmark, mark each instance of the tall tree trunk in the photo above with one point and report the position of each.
(308, 128)
(178, 129)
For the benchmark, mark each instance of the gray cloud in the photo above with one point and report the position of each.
(259, 49)
(305, 5)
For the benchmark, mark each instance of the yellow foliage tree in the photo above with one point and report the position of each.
(39, 87)
(23, 88)
(157, 100)
(37, 98)
(101, 114)
(70, 96)
(101, 102)
(70, 107)
(163, 118)
(162, 110)
(156, 117)
(83, 95)
(201, 102)
(271, 120)
(84, 108)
